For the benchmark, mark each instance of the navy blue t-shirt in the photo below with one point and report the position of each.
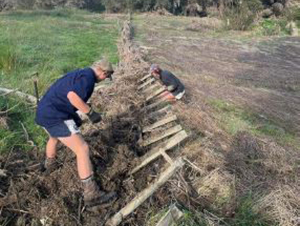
(55, 107)
(168, 79)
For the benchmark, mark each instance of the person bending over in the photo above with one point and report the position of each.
(56, 113)
(174, 88)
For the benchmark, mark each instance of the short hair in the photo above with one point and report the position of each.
(103, 64)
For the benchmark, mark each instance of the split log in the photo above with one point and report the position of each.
(171, 217)
(146, 83)
(159, 112)
(163, 135)
(156, 152)
(155, 104)
(160, 123)
(146, 193)
(145, 77)
(156, 93)
(152, 88)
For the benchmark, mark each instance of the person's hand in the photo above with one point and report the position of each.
(95, 117)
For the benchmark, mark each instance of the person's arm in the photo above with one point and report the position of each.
(78, 103)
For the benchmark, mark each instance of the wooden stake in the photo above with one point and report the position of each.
(145, 77)
(156, 93)
(156, 152)
(160, 123)
(154, 105)
(161, 111)
(145, 194)
(163, 135)
(146, 83)
(152, 88)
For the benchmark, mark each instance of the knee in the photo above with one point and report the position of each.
(53, 140)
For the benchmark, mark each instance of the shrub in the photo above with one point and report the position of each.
(241, 16)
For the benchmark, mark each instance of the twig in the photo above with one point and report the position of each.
(18, 211)
(26, 135)
(8, 110)
(219, 219)
(193, 165)
(79, 209)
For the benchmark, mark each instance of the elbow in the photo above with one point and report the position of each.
(71, 96)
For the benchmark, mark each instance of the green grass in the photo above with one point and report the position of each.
(245, 216)
(14, 136)
(269, 27)
(234, 119)
(50, 43)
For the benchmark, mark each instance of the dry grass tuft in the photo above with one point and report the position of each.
(281, 205)
(204, 24)
(217, 186)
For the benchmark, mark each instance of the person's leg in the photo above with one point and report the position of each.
(92, 194)
(168, 96)
(51, 147)
(77, 144)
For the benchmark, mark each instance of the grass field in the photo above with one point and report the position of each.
(50, 43)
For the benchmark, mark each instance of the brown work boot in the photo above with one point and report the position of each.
(93, 196)
(50, 165)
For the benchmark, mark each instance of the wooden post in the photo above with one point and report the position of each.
(145, 194)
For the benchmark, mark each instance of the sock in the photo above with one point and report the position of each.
(88, 179)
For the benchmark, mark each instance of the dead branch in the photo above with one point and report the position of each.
(28, 97)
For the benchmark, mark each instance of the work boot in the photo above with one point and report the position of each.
(93, 196)
(50, 165)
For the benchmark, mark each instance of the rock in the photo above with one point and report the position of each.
(266, 13)
(277, 8)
